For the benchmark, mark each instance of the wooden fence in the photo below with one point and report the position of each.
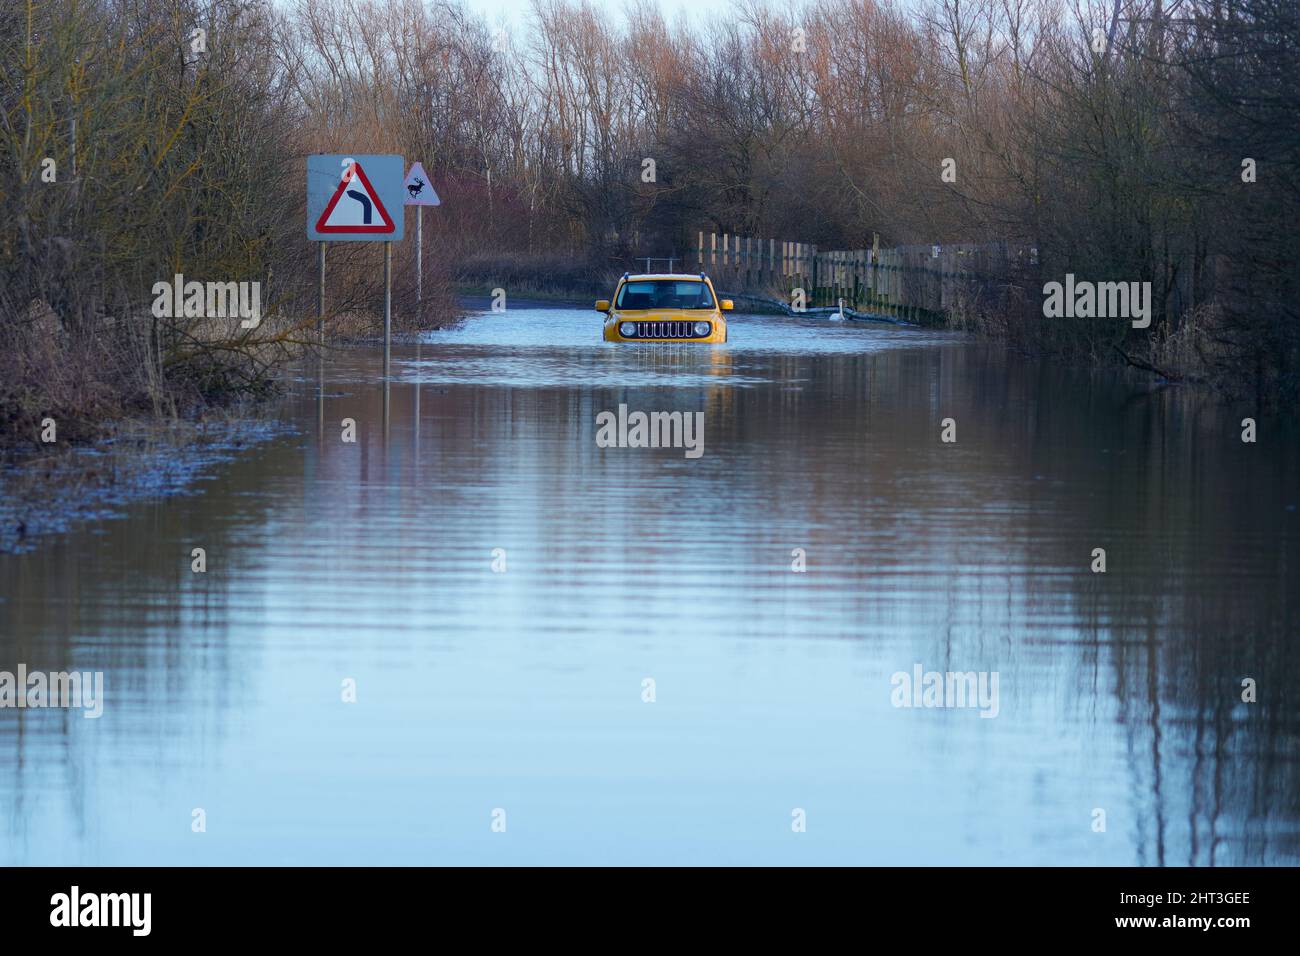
(905, 281)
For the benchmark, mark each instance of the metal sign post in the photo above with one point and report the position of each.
(320, 298)
(388, 304)
(320, 343)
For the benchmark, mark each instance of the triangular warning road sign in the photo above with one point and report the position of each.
(418, 190)
(359, 212)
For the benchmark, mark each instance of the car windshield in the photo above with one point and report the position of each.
(664, 294)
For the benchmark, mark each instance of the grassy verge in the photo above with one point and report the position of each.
(51, 491)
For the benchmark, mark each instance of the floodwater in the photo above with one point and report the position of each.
(639, 675)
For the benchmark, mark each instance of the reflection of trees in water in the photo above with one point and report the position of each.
(1222, 773)
(1202, 582)
(985, 542)
(1207, 596)
(120, 598)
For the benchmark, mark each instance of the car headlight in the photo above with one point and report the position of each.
(627, 329)
(701, 328)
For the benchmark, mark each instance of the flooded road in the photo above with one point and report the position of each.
(609, 652)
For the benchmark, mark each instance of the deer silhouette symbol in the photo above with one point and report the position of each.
(416, 187)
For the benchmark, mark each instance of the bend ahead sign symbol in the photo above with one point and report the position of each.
(354, 197)
(361, 212)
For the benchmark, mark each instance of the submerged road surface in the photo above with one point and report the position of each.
(474, 635)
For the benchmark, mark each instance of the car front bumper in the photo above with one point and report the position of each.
(666, 331)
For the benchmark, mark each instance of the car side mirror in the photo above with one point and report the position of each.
(602, 305)
(727, 305)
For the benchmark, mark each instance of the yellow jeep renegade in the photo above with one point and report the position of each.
(665, 308)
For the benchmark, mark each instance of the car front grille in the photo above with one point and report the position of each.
(667, 330)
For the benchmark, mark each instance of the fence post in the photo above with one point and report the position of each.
(897, 258)
(858, 271)
(875, 268)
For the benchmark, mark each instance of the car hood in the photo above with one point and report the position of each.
(660, 315)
